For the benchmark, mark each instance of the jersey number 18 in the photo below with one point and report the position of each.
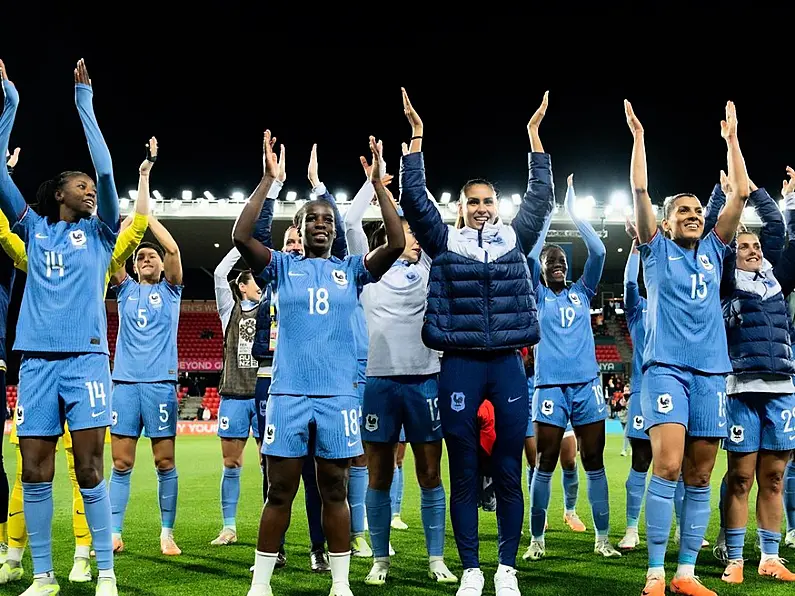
(318, 301)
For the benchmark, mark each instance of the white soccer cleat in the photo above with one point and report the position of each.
(604, 548)
(360, 548)
(391, 550)
(438, 571)
(505, 582)
(535, 551)
(630, 540)
(378, 573)
(227, 536)
(472, 582)
(340, 590)
(42, 588)
(3, 552)
(81, 571)
(789, 540)
(260, 590)
(721, 552)
(398, 524)
(106, 586)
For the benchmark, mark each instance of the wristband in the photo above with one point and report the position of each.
(417, 137)
(10, 169)
(149, 157)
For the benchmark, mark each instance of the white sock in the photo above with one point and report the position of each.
(656, 572)
(435, 559)
(82, 552)
(45, 578)
(765, 558)
(340, 564)
(166, 533)
(685, 570)
(503, 569)
(230, 528)
(106, 573)
(570, 512)
(117, 535)
(15, 554)
(264, 563)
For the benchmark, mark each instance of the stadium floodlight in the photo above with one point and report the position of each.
(300, 203)
(584, 207)
(187, 195)
(656, 209)
(238, 196)
(341, 197)
(517, 199)
(124, 203)
(506, 208)
(176, 204)
(628, 210)
(216, 245)
(208, 195)
(446, 198)
(292, 195)
(157, 195)
(452, 207)
(133, 194)
(748, 212)
(222, 201)
(609, 209)
(619, 199)
(312, 196)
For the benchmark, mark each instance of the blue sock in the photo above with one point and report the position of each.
(230, 495)
(571, 488)
(724, 486)
(539, 497)
(393, 491)
(679, 498)
(636, 487)
(789, 496)
(433, 510)
(735, 540)
(695, 519)
(98, 516)
(167, 490)
(357, 488)
(119, 497)
(530, 472)
(378, 518)
(769, 541)
(37, 506)
(659, 511)
(598, 495)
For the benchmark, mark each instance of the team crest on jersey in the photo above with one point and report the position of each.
(411, 275)
(371, 423)
(736, 434)
(575, 299)
(339, 277)
(270, 434)
(457, 401)
(155, 299)
(223, 423)
(665, 403)
(637, 423)
(704, 260)
(78, 238)
(547, 407)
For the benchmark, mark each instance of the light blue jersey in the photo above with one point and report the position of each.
(317, 300)
(359, 322)
(63, 309)
(684, 321)
(566, 354)
(146, 346)
(635, 310)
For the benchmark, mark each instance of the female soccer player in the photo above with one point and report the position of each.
(402, 390)
(145, 370)
(318, 295)
(131, 232)
(567, 385)
(760, 411)
(65, 369)
(480, 311)
(686, 356)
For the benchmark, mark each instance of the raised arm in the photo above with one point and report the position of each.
(172, 264)
(339, 247)
(729, 218)
(536, 205)
(594, 264)
(423, 216)
(107, 198)
(381, 259)
(263, 229)
(256, 254)
(12, 244)
(773, 231)
(631, 271)
(224, 297)
(11, 201)
(646, 220)
(785, 268)
(354, 229)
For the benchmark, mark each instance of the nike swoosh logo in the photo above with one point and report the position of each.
(438, 426)
(162, 427)
(726, 574)
(295, 274)
(513, 399)
(675, 258)
(792, 438)
(550, 299)
(721, 424)
(95, 414)
(602, 409)
(41, 236)
(15, 513)
(692, 527)
(78, 512)
(352, 444)
(133, 298)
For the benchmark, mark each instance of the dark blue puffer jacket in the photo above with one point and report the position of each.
(478, 299)
(758, 331)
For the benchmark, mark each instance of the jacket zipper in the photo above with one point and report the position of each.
(485, 287)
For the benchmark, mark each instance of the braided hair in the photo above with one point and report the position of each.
(46, 201)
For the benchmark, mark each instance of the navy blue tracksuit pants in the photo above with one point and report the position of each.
(465, 380)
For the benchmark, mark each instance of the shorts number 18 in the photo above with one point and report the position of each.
(351, 418)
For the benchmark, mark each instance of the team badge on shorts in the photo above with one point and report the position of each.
(371, 423)
(263, 407)
(223, 422)
(114, 418)
(78, 238)
(547, 407)
(737, 434)
(665, 403)
(575, 299)
(637, 423)
(270, 434)
(704, 260)
(457, 401)
(339, 277)
(20, 415)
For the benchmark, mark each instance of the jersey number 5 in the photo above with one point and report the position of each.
(318, 301)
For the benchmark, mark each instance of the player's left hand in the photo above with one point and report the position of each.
(12, 158)
(81, 73)
(630, 229)
(269, 162)
(728, 127)
(788, 186)
(282, 165)
(376, 169)
(535, 120)
(151, 157)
